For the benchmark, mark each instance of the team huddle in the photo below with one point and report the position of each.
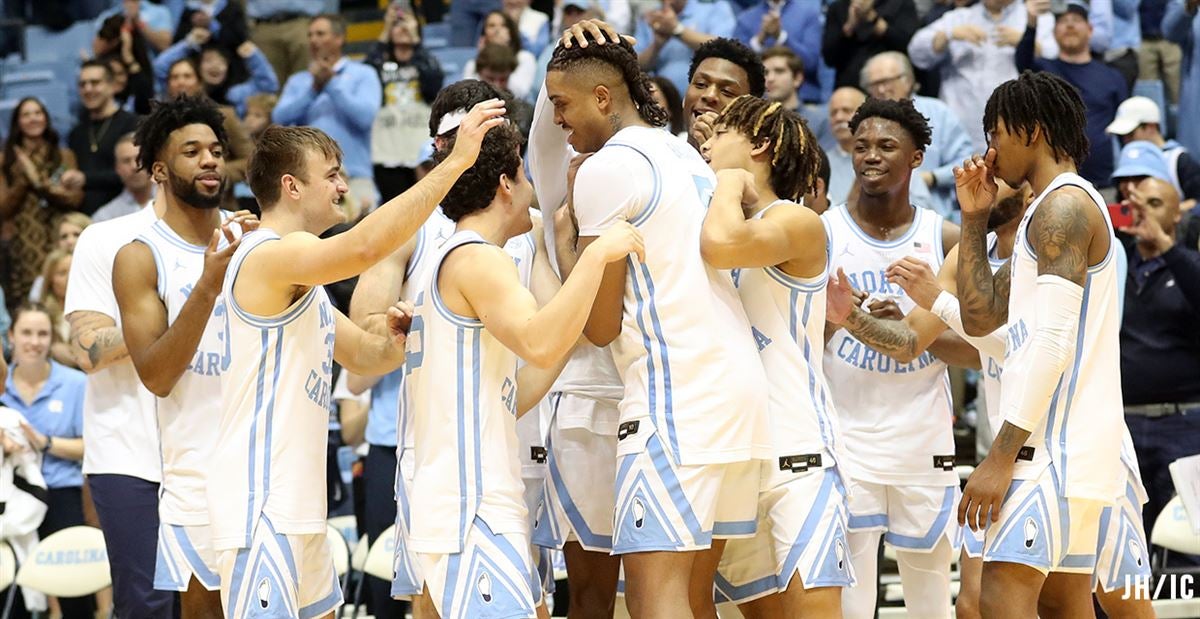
(734, 397)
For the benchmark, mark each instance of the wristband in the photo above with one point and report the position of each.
(943, 306)
(49, 442)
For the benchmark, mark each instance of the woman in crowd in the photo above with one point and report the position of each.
(411, 78)
(500, 29)
(50, 397)
(70, 226)
(54, 273)
(226, 79)
(31, 194)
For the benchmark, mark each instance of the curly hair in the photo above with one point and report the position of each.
(1040, 99)
(899, 111)
(169, 116)
(499, 154)
(15, 139)
(461, 95)
(614, 56)
(737, 53)
(795, 156)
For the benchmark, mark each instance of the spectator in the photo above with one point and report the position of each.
(890, 76)
(410, 77)
(224, 21)
(183, 79)
(139, 17)
(1122, 53)
(569, 12)
(224, 79)
(138, 190)
(667, 37)
(467, 18)
(54, 273)
(972, 49)
(94, 137)
(617, 13)
(784, 83)
(50, 398)
(495, 65)
(1182, 27)
(339, 96)
(842, 105)
(818, 198)
(666, 96)
(1158, 57)
(129, 62)
(280, 28)
(256, 119)
(720, 71)
(70, 226)
(1139, 119)
(794, 24)
(1160, 352)
(855, 30)
(1101, 86)
(533, 25)
(500, 29)
(33, 189)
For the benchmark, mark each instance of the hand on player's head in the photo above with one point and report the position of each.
(975, 183)
(469, 137)
(618, 242)
(917, 279)
(602, 33)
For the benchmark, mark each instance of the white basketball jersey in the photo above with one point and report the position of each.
(896, 418)
(462, 397)
(531, 431)
(275, 399)
(685, 350)
(186, 430)
(787, 319)
(993, 368)
(1081, 433)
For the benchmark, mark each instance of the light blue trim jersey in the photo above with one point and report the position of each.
(273, 429)
(461, 393)
(1080, 436)
(186, 431)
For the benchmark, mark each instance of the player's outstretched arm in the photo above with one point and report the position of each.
(378, 288)
(162, 353)
(982, 295)
(302, 259)
(784, 237)
(372, 353)
(486, 279)
(937, 296)
(903, 340)
(533, 383)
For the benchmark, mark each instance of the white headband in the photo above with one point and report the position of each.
(451, 121)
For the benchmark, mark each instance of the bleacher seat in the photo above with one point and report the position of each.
(453, 59)
(435, 35)
(43, 44)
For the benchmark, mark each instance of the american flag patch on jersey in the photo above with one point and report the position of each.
(922, 248)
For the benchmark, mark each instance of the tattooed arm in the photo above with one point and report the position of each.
(982, 296)
(96, 340)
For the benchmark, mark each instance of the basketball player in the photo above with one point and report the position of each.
(766, 160)
(473, 320)
(1055, 463)
(399, 277)
(721, 71)
(167, 283)
(895, 417)
(693, 415)
(265, 510)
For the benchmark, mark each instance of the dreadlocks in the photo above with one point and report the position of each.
(618, 57)
(1041, 99)
(899, 111)
(795, 156)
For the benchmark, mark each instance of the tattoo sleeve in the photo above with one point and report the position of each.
(96, 341)
(890, 337)
(982, 296)
(1008, 441)
(1061, 234)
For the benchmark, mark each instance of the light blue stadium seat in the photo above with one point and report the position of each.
(42, 44)
(436, 35)
(452, 60)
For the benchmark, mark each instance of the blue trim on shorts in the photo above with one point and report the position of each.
(200, 570)
(326, 604)
(725, 591)
(666, 474)
(872, 521)
(930, 539)
(792, 561)
(735, 527)
(578, 523)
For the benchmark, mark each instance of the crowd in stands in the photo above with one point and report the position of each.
(1136, 64)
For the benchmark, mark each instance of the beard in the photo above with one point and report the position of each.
(1005, 211)
(186, 191)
